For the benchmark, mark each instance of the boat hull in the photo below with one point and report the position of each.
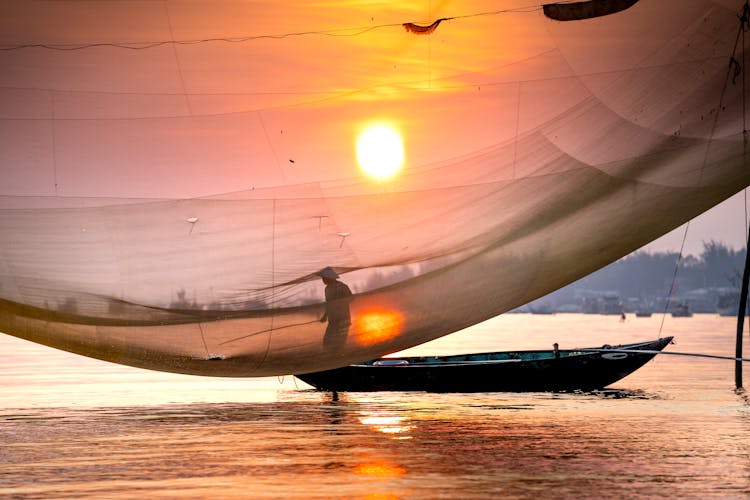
(573, 370)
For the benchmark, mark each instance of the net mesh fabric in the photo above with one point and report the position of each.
(536, 160)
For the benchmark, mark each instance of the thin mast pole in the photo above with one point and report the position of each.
(746, 273)
(741, 316)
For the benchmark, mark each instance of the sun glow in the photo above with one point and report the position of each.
(377, 326)
(380, 151)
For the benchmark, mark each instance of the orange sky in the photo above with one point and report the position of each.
(213, 117)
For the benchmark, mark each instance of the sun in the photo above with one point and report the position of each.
(380, 151)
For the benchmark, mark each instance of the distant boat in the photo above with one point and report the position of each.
(732, 310)
(542, 309)
(681, 311)
(728, 302)
(643, 312)
(514, 371)
(611, 304)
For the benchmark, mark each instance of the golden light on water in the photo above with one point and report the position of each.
(377, 326)
(394, 425)
(380, 151)
(379, 469)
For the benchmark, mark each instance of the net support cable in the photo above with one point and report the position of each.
(735, 67)
(671, 353)
(744, 21)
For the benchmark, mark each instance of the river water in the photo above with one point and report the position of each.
(72, 427)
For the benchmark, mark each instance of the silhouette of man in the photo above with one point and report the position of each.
(338, 296)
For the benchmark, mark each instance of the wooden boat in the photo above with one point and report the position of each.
(516, 371)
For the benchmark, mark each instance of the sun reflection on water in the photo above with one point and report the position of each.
(379, 469)
(394, 425)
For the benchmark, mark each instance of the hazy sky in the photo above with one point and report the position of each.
(724, 223)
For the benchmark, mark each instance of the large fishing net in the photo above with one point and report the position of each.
(174, 174)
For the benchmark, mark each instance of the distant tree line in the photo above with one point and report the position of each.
(643, 274)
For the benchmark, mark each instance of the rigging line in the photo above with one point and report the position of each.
(744, 126)
(270, 145)
(273, 285)
(151, 45)
(54, 143)
(203, 338)
(744, 108)
(99, 92)
(672, 353)
(403, 83)
(177, 61)
(327, 95)
(732, 67)
(339, 32)
(744, 20)
(268, 330)
(741, 315)
(518, 120)
(674, 277)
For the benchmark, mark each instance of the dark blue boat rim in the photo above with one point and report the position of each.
(507, 371)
